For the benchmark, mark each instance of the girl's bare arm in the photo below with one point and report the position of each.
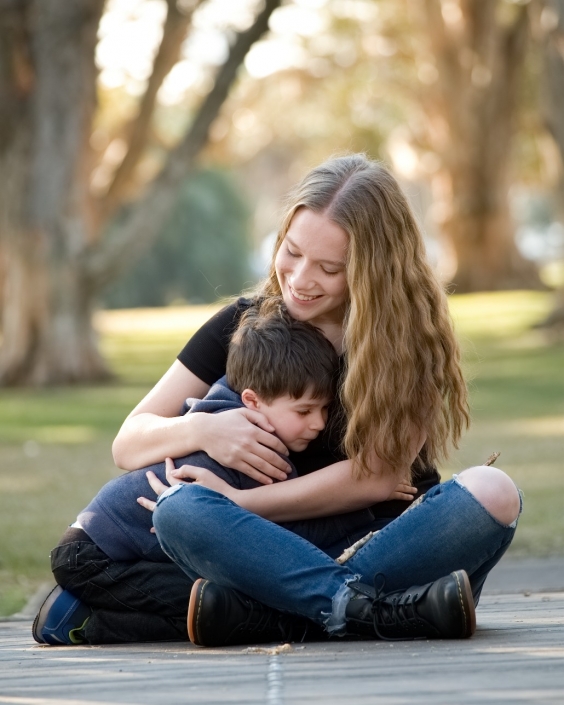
(154, 428)
(332, 490)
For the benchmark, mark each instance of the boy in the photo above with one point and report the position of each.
(109, 566)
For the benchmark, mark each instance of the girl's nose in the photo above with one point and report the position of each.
(301, 277)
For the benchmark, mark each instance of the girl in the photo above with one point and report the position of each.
(350, 259)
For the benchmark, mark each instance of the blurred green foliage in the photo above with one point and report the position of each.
(202, 253)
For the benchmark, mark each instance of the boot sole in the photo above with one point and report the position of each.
(196, 595)
(466, 602)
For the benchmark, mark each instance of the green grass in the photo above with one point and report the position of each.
(55, 445)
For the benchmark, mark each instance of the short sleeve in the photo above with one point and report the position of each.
(205, 354)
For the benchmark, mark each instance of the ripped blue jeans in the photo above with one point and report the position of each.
(210, 537)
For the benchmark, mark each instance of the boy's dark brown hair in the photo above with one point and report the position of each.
(275, 355)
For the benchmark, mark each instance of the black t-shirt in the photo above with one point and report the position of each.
(205, 354)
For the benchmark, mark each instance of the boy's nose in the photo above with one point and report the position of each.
(317, 422)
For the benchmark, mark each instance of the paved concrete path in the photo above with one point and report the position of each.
(516, 656)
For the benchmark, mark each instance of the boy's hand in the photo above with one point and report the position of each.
(403, 491)
(199, 475)
(158, 486)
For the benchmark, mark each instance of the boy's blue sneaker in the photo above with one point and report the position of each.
(61, 619)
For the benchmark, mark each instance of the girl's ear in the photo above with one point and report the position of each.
(250, 399)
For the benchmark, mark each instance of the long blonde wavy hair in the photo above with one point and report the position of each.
(402, 358)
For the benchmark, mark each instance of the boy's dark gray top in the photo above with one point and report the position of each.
(119, 525)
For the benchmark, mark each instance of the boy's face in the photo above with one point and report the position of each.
(296, 421)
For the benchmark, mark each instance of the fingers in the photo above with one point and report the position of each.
(403, 491)
(155, 483)
(255, 474)
(406, 488)
(401, 495)
(147, 503)
(261, 470)
(242, 439)
(269, 464)
(271, 441)
(192, 472)
(171, 478)
(185, 472)
(258, 419)
(208, 479)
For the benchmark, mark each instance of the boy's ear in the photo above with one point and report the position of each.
(250, 399)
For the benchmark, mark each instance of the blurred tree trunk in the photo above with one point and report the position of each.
(56, 253)
(552, 92)
(46, 332)
(477, 47)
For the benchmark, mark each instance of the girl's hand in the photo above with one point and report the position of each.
(403, 491)
(243, 439)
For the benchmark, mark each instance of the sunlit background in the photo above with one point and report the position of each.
(469, 117)
(331, 76)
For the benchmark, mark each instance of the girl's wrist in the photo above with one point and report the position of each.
(198, 428)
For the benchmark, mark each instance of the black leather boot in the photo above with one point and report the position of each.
(219, 616)
(443, 609)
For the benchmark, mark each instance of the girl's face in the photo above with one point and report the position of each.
(310, 266)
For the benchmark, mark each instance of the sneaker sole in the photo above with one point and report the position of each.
(466, 602)
(41, 616)
(196, 595)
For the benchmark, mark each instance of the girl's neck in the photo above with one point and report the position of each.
(334, 333)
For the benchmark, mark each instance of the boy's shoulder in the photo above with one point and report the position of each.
(220, 397)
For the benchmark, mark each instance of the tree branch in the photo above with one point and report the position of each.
(141, 225)
(174, 31)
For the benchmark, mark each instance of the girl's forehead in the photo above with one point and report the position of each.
(319, 235)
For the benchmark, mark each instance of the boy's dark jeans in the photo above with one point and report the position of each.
(132, 600)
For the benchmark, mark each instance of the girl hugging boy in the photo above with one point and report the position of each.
(284, 368)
